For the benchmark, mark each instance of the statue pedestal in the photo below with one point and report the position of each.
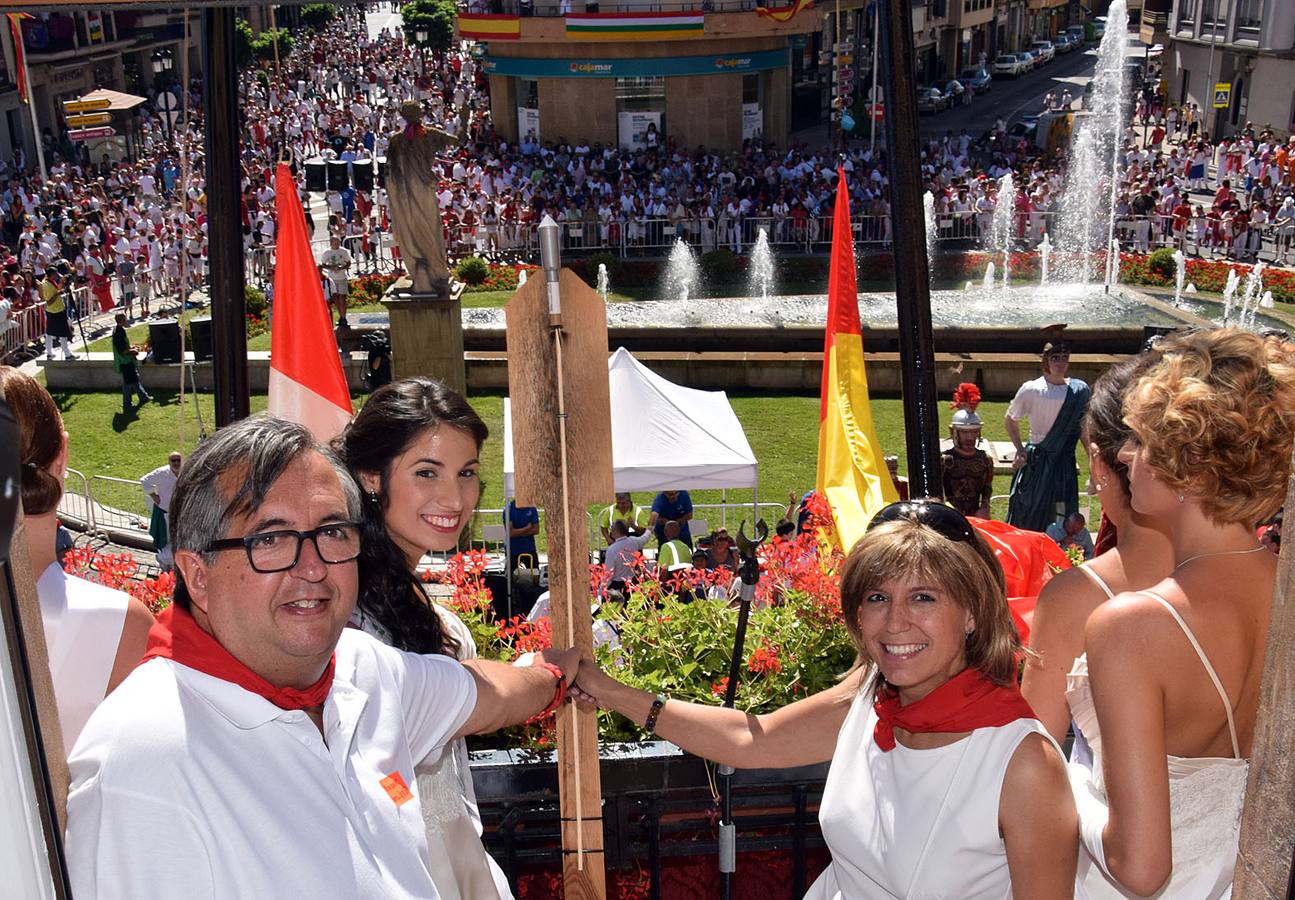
(427, 334)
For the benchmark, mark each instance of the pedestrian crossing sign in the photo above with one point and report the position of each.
(1223, 95)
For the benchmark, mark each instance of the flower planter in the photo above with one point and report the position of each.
(659, 817)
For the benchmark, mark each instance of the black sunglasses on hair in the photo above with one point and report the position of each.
(945, 520)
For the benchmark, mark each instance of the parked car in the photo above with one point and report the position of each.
(1045, 49)
(1008, 64)
(1076, 33)
(955, 94)
(1099, 26)
(931, 99)
(1030, 59)
(1064, 42)
(978, 79)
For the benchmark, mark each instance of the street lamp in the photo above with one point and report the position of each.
(163, 60)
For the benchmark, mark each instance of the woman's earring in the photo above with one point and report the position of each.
(1182, 499)
(373, 496)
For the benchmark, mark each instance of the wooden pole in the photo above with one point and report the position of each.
(557, 382)
(1263, 869)
(912, 288)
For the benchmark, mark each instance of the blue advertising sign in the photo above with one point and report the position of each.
(724, 64)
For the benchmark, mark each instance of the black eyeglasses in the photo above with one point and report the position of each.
(278, 551)
(945, 520)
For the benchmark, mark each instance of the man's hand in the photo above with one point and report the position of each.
(567, 660)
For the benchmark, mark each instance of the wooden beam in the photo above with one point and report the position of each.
(1264, 859)
(533, 379)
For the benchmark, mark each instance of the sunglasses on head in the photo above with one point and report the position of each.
(944, 520)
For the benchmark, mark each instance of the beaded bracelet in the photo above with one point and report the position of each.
(650, 725)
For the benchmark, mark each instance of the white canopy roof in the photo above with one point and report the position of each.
(664, 436)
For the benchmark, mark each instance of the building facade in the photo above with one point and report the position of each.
(711, 79)
(1234, 59)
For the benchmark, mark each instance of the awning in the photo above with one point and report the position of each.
(116, 99)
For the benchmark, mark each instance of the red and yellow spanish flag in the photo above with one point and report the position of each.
(784, 13)
(19, 52)
(852, 471)
(489, 27)
(307, 384)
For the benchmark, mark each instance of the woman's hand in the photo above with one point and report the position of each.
(592, 685)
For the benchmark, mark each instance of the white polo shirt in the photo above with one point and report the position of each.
(185, 785)
(1039, 401)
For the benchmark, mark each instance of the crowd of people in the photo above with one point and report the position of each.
(132, 233)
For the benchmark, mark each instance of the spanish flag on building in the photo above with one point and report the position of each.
(487, 27)
(658, 26)
(784, 13)
(851, 468)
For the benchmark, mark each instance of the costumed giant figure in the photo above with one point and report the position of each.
(412, 182)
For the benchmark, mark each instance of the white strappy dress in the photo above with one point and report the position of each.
(1205, 798)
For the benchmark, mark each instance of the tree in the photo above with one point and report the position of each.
(263, 43)
(243, 39)
(436, 17)
(317, 15)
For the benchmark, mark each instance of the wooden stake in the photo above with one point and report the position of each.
(557, 382)
(1263, 869)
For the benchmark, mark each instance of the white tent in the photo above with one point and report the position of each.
(664, 436)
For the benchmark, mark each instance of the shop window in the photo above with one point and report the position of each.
(640, 93)
(528, 93)
(751, 88)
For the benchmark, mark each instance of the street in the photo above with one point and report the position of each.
(1013, 97)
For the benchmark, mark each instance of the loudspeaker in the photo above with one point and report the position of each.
(200, 333)
(316, 174)
(338, 176)
(362, 175)
(164, 337)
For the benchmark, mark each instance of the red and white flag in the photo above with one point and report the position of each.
(307, 384)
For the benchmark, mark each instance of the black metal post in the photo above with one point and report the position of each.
(224, 216)
(912, 292)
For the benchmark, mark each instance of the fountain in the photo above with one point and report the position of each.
(1113, 265)
(1088, 202)
(1251, 296)
(1000, 229)
(1045, 251)
(969, 285)
(521, 278)
(1191, 288)
(928, 214)
(1180, 275)
(604, 282)
(988, 283)
(760, 282)
(1266, 301)
(1229, 295)
(682, 274)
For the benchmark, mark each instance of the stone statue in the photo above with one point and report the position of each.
(412, 183)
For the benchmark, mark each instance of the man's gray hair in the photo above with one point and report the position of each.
(258, 449)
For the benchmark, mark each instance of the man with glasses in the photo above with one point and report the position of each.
(262, 749)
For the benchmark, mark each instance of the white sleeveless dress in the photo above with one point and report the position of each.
(1205, 798)
(82, 622)
(919, 824)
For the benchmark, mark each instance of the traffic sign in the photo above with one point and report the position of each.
(78, 106)
(878, 111)
(843, 47)
(166, 101)
(89, 134)
(89, 119)
(844, 58)
(1223, 95)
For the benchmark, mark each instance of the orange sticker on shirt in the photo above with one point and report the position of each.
(396, 788)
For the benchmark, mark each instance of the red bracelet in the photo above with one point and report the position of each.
(558, 695)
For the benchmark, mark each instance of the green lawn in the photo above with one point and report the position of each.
(782, 430)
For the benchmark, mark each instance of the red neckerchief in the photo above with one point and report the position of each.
(965, 702)
(176, 636)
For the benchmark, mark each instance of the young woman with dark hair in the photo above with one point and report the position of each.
(414, 450)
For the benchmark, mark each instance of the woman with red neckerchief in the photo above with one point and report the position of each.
(942, 781)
